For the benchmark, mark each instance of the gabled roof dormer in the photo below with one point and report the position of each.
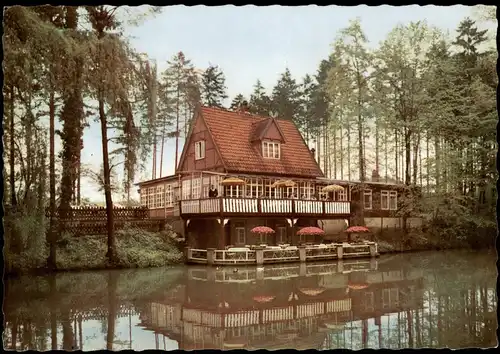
(268, 134)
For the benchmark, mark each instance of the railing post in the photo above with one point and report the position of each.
(373, 250)
(221, 206)
(302, 253)
(259, 256)
(259, 205)
(210, 256)
(340, 251)
(188, 253)
(323, 206)
(293, 206)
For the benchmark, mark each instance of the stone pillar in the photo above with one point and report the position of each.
(302, 253)
(373, 250)
(259, 256)
(340, 252)
(373, 264)
(210, 273)
(340, 266)
(187, 253)
(302, 269)
(210, 256)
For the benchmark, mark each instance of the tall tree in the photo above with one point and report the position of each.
(237, 101)
(286, 98)
(260, 103)
(180, 76)
(213, 87)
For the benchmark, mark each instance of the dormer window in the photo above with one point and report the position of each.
(270, 150)
(199, 150)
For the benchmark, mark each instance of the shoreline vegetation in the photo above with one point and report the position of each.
(25, 250)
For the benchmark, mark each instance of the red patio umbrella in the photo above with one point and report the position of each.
(357, 286)
(312, 291)
(355, 229)
(310, 230)
(262, 230)
(263, 299)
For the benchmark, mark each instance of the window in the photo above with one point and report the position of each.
(367, 199)
(306, 191)
(186, 189)
(302, 238)
(196, 186)
(168, 195)
(150, 194)
(199, 150)
(159, 197)
(393, 200)
(233, 191)
(281, 235)
(144, 200)
(254, 188)
(270, 150)
(205, 187)
(240, 235)
(342, 196)
(384, 200)
(319, 192)
(369, 301)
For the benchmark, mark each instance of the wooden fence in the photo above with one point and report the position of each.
(99, 213)
(99, 227)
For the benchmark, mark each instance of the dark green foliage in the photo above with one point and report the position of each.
(213, 87)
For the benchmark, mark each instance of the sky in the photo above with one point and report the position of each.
(250, 43)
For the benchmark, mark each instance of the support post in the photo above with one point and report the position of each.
(340, 266)
(340, 251)
(210, 256)
(302, 269)
(373, 250)
(187, 253)
(302, 253)
(259, 256)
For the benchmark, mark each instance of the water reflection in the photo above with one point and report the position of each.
(403, 301)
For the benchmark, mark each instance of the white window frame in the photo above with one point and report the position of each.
(281, 235)
(240, 232)
(159, 196)
(186, 189)
(320, 193)
(262, 239)
(342, 196)
(393, 195)
(144, 197)
(205, 187)
(199, 150)
(169, 193)
(254, 188)
(271, 150)
(306, 190)
(196, 188)
(302, 238)
(368, 192)
(150, 197)
(233, 191)
(384, 194)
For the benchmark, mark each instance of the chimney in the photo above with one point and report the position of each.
(375, 176)
(313, 153)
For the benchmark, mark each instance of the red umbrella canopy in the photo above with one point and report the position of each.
(263, 298)
(357, 229)
(310, 230)
(262, 230)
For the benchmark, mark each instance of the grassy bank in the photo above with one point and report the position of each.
(26, 251)
(419, 239)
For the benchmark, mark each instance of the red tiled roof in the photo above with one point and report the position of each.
(232, 133)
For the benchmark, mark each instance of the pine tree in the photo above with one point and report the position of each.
(237, 101)
(213, 87)
(260, 103)
(286, 98)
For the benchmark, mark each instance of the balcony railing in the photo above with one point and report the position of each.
(259, 206)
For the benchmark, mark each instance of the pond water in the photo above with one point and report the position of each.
(417, 300)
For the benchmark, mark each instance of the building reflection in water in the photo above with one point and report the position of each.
(385, 303)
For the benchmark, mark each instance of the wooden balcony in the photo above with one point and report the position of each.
(264, 207)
